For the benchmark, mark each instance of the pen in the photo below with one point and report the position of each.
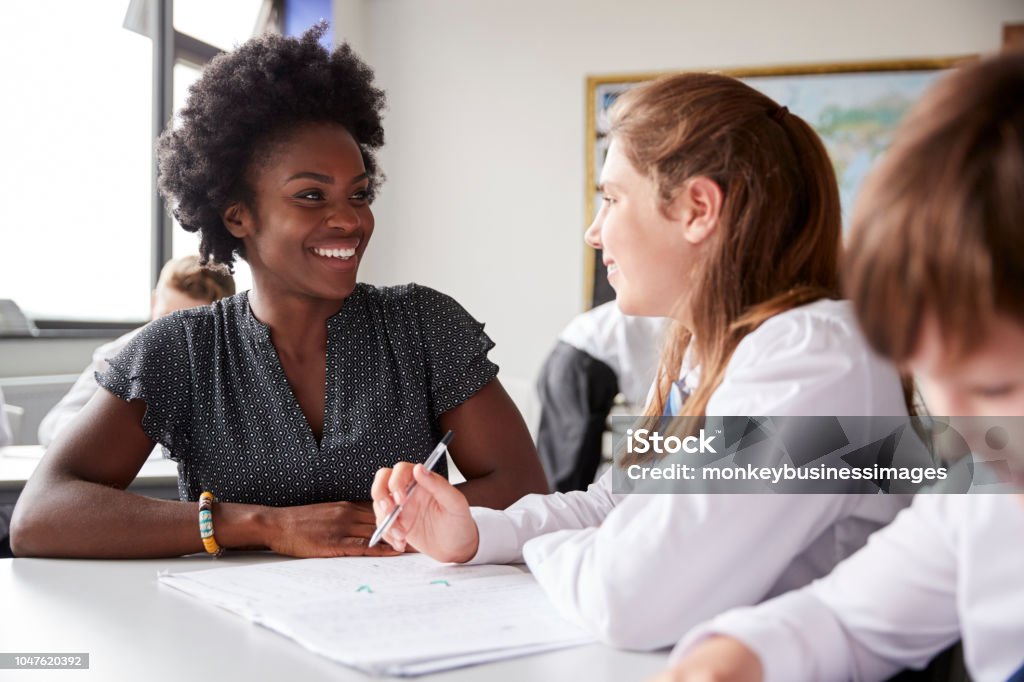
(431, 462)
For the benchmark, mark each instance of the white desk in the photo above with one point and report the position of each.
(157, 478)
(134, 628)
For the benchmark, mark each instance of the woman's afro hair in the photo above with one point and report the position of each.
(246, 100)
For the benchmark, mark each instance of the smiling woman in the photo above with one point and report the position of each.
(284, 400)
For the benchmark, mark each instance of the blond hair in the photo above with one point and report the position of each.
(201, 282)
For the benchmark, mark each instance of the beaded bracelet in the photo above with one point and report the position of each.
(206, 501)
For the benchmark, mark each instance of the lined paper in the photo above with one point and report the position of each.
(405, 615)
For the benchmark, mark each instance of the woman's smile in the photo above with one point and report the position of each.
(339, 255)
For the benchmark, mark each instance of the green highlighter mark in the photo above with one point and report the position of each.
(440, 582)
(364, 588)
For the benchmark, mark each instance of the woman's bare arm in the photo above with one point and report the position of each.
(76, 505)
(493, 449)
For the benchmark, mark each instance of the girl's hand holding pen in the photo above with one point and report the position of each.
(435, 520)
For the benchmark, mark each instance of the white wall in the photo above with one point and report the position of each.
(484, 198)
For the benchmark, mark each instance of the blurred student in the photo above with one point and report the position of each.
(6, 437)
(721, 211)
(5, 509)
(600, 354)
(935, 273)
(183, 284)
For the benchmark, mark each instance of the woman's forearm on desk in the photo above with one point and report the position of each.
(76, 518)
(66, 517)
(75, 504)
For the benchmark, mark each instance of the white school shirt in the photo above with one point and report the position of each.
(638, 571)
(61, 414)
(949, 567)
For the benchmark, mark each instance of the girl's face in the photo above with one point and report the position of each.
(310, 221)
(645, 251)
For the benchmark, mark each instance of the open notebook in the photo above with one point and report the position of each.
(406, 615)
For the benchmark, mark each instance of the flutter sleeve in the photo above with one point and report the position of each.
(456, 348)
(156, 367)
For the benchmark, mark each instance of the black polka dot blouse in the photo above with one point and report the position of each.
(218, 400)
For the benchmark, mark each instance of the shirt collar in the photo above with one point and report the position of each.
(259, 332)
(352, 303)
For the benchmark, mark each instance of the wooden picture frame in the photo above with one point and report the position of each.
(854, 106)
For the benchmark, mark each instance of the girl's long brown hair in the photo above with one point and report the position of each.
(778, 238)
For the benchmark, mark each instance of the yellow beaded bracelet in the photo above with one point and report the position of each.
(206, 501)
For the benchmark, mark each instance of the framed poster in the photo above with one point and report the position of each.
(854, 107)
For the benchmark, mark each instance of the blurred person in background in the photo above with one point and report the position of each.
(183, 284)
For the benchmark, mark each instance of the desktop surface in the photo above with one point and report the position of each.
(134, 627)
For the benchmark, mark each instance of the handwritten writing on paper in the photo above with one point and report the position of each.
(410, 625)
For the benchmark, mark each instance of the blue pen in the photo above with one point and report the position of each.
(431, 462)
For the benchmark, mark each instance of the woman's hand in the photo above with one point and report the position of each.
(716, 659)
(324, 530)
(434, 520)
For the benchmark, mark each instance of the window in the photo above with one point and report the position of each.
(79, 229)
(223, 24)
(75, 222)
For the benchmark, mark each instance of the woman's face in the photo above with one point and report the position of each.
(310, 221)
(645, 252)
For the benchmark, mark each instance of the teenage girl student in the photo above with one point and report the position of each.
(934, 271)
(721, 211)
(284, 400)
